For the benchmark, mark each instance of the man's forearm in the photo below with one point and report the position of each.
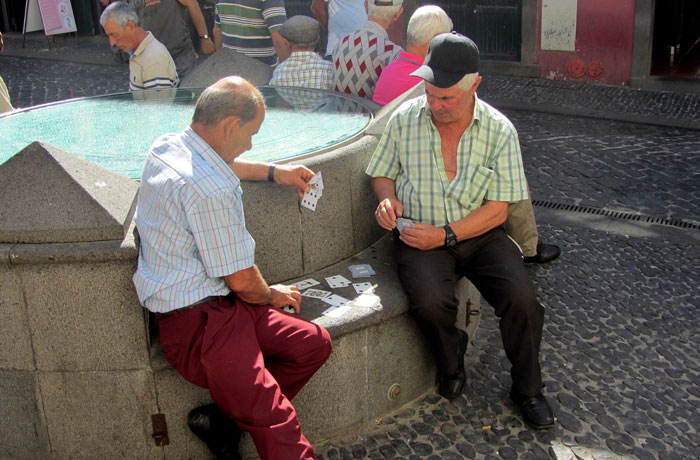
(384, 188)
(481, 220)
(280, 46)
(250, 170)
(319, 10)
(250, 286)
(196, 15)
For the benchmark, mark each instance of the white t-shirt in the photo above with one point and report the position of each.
(344, 18)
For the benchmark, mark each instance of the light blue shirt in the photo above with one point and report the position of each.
(191, 224)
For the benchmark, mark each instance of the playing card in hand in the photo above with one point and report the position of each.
(402, 223)
(310, 199)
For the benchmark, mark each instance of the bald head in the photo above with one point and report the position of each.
(230, 96)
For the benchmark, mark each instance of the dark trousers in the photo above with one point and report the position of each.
(493, 263)
(253, 359)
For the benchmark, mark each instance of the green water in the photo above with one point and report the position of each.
(116, 131)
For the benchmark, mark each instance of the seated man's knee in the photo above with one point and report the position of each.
(517, 297)
(433, 305)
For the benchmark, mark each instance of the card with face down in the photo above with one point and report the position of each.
(361, 270)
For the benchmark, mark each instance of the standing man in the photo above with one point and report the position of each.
(221, 325)
(251, 27)
(167, 20)
(5, 105)
(359, 58)
(304, 68)
(150, 64)
(339, 18)
(452, 163)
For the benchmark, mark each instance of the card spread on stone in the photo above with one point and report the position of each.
(336, 312)
(361, 270)
(363, 287)
(337, 281)
(366, 300)
(317, 293)
(305, 284)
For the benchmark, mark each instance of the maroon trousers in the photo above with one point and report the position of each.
(254, 360)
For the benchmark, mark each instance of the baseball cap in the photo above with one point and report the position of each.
(450, 57)
(300, 29)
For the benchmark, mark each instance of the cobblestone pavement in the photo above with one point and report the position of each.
(620, 348)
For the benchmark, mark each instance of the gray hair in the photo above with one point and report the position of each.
(425, 23)
(119, 12)
(383, 13)
(467, 81)
(231, 96)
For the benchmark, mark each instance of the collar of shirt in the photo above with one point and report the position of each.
(376, 29)
(412, 58)
(477, 113)
(202, 149)
(142, 46)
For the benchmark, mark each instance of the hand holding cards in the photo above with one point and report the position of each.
(402, 223)
(311, 197)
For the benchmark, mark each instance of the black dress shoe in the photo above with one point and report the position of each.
(535, 409)
(219, 433)
(451, 386)
(545, 253)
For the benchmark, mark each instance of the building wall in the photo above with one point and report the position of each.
(586, 40)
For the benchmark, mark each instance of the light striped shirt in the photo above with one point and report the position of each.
(305, 69)
(247, 26)
(489, 163)
(151, 66)
(190, 222)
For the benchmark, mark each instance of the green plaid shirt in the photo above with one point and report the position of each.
(489, 164)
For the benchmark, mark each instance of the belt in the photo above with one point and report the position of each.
(179, 311)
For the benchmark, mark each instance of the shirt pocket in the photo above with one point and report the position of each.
(478, 181)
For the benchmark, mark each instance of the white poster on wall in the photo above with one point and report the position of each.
(32, 16)
(558, 25)
(54, 16)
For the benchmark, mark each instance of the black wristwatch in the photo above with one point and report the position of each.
(450, 237)
(204, 37)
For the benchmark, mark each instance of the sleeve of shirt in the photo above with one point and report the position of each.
(218, 228)
(274, 13)
(385, 160)
(159, 73)
(509, 183)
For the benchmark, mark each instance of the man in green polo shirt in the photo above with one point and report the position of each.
(252, 27)
(451, 164)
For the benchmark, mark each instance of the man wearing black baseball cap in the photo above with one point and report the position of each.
(451, 164)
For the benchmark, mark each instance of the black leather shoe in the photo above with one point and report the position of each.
(545, 253)
(219, 433)
(535, 410)
(451, 386)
